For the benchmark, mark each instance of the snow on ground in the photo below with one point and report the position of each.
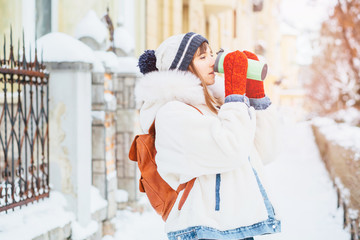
(46, 215)
(340, 133)
(305, 196)
(35, 219)
(79, 232)
(138, 226)
(97, 202)
(303, 191)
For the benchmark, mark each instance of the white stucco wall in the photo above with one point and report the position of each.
(70, 138)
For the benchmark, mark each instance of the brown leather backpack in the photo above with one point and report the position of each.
(161, 196)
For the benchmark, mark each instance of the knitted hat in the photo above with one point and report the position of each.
(175, 53)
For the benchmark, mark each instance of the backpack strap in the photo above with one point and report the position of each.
(187, 186)
(152, 129)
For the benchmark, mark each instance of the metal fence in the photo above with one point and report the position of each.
(24, 128)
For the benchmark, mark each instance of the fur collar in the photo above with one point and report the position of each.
(157, 88)
(166, 86)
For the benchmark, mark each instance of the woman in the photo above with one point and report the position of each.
(223, 146)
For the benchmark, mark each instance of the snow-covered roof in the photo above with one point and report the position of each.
(91, 26)
(123, 40)
(108, 59)
(98, 67)
(118, 64)
(60, 47)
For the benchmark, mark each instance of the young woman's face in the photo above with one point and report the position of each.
(204, 64)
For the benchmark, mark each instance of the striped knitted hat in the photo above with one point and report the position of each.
(175, 53)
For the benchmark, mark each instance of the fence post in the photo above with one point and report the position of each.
(70, 120)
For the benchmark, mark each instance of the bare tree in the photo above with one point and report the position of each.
(335, 79)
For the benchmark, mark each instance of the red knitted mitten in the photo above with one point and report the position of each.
(254, 88)
(235, 69)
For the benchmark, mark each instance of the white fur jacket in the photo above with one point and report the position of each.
(190, 145)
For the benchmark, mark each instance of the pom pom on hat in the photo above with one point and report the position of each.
(147, 62)
(175, 53)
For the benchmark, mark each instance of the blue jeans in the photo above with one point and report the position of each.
(251, 238)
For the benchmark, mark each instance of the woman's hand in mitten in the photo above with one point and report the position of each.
(254, 88)
(235, 69)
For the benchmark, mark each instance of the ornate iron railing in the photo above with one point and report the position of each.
(24, 129)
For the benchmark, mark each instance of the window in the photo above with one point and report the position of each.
(43, 17)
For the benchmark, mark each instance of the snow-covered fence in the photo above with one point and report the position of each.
(24, 141)
(339, 146)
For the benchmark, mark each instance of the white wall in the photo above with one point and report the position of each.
(70, 138)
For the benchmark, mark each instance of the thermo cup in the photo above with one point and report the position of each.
(256, 70)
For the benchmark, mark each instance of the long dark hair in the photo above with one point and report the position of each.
(212, 102)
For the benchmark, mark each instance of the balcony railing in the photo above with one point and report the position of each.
(24, 128)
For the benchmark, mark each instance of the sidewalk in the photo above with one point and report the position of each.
(305, 194)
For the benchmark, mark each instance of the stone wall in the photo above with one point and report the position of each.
(126, 115)
(103, 139)
(344, 171)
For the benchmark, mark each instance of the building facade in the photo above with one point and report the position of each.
(233, 25)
